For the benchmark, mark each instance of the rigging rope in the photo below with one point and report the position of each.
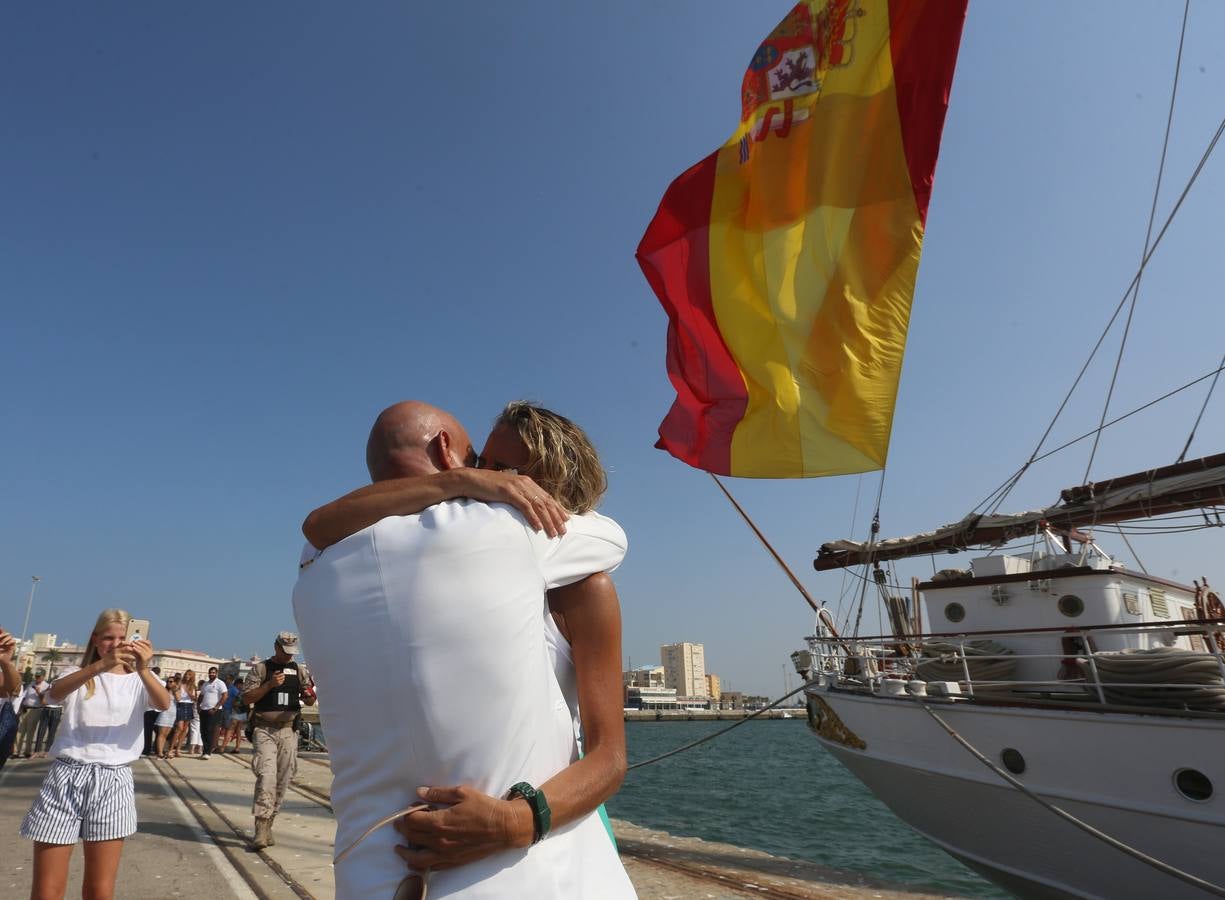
(1007, 487)
(1152, 215)
(1211, 388)
(1072, 820)
(1011, 481)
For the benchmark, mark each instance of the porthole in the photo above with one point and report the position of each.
(1071, 605)
(1193, 784)
(954, 612)
(1013, 761)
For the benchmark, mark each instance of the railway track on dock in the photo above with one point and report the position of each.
(222, 829)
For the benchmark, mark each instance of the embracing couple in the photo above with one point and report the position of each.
(463, 633)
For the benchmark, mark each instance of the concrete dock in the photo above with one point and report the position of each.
(195, 819)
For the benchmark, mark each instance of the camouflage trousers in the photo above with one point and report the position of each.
(276, 761)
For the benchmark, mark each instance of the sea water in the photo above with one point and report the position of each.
(770, 785)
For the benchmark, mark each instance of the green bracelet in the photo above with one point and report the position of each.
(542, 816)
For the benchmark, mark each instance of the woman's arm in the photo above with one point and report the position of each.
(478, 825)
(10, 679)
(62, 687)
(361, 508)
(143, 653)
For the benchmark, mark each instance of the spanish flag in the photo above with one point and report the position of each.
(786, 260)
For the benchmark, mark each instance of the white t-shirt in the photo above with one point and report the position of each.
(213, 693)
(439, 616)
(107, 728)
(33, 694)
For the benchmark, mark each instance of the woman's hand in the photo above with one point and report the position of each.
(542, 512)
(120, 655)
(142, 651)
(472, 827)
(8, 644)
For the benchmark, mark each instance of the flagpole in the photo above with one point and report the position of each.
(34, 580)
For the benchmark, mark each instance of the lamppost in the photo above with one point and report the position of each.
(34, 580)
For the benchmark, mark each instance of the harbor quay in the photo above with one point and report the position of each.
(195, 824)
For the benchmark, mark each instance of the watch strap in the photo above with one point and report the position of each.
(542, 816)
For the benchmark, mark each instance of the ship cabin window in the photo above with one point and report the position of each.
(954, 612)
(1013, 761)
(1161, 607)
(1193, 784)
(1071, 605)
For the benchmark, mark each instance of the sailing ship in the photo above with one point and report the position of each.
(1099, 689)
(1046, 714)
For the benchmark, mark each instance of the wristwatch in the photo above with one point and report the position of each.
(542, 816)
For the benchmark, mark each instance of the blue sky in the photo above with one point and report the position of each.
(231, 234)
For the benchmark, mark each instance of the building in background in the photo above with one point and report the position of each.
(684, 668)
(644, 676)
(171, 662)
(645, 689)
(44, 652)
(713, 689)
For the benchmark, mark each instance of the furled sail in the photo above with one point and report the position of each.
(1194, 484)
(786, 260)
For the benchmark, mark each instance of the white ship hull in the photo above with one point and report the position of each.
(1114, 771)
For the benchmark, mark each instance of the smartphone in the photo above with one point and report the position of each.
(134, 632)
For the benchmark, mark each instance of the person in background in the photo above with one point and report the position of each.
(227, 712)
(213, 694)
(88, 792)
(10, 690)
(48, 724)
(275, 690)
(238, 724)
(185, 705)
(167, 718)
(151, 714)
(31, 713)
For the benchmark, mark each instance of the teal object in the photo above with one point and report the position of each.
(607, 824)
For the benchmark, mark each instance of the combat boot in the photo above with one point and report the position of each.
(271, 836)
(263, 834)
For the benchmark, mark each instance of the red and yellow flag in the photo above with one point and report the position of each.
(786, 260)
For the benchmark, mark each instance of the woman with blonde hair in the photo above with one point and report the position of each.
(88, 793)
(529, 448)
(185, 709)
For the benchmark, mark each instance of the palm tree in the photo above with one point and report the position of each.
(51, 657)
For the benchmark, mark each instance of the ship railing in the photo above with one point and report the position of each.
(869, 658)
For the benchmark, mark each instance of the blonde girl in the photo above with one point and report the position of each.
(88, 794)
(185, 706)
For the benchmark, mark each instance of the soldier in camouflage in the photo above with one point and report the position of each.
(275, 691)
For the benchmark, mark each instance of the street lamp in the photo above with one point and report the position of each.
(34, 580)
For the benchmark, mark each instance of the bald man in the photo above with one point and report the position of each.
(436, 620)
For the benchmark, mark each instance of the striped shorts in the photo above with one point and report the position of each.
(82, 801)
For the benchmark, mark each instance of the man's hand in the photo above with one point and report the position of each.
(542, 512)
(277, 678)
(473, 827)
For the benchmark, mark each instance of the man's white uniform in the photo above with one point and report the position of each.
(439, 616)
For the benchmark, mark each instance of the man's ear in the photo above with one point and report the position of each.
(443, 453)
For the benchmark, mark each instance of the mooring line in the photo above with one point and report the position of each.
(719, 733)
